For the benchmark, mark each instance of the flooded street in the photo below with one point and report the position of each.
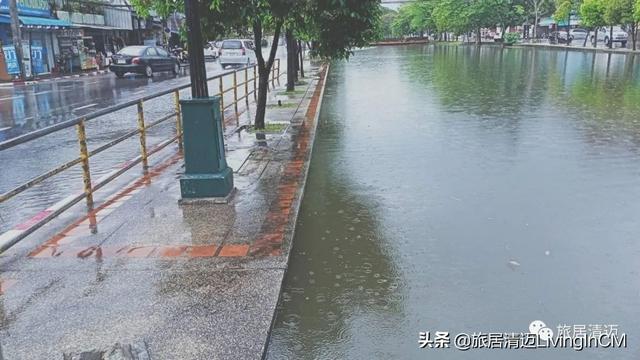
(464, 190)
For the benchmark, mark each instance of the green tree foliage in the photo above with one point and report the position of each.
(452, 16)
(385, 26)
(622, 12)
(564, 8)
(592, 15)
(335, 26)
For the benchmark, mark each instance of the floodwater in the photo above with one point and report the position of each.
(462, 189)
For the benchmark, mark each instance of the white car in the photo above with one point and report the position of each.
(210, 51)
(237, 52)
(619, 35)
(578, 34)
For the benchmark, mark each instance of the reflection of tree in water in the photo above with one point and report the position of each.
(484, 81)
(605, 98)
(339, 265)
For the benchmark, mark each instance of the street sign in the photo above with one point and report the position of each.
(11, 59)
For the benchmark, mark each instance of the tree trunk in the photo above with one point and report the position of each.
(264, 68)
(15, 32)
(634, 32)
(535, 24)
(586, 38)
(291, 58)
(261, 101)
(301, 52)
(611, 37)
(595, 38)
(478, 38)
(569, 30)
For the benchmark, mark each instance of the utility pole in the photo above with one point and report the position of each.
(15, 31)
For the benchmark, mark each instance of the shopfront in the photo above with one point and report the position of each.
(77, 50)
(39, 40)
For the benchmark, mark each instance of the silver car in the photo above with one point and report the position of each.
(604, 34)
(237, 52)
(578, 34)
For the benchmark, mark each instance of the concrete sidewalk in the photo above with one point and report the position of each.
(197, 281)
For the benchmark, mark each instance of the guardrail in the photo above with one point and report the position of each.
(13, 236)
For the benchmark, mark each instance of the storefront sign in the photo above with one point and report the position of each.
(71, 33)
(28, 7)
(37, 58)
(11, 59)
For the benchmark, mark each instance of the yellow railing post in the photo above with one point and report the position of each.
(255, 83)
(246, 86)
(235, 91)
(143, 135)
(178, 120)
(84, 158)
(221, 100)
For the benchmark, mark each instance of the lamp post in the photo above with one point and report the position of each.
(207, 174)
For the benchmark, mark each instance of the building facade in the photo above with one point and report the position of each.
(39, 29)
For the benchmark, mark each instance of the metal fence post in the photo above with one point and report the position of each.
(278, 77)
(246, 86)
(222, 100)
(255, 83)
(143, 135)
(84, 158)
(178, 120)
(235, 91)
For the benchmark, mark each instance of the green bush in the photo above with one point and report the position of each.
(511, 38)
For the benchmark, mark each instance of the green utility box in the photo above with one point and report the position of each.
(207, 174)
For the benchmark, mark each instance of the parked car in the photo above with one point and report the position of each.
(604, 34)
(144, 60)
(559, 37)
(211, 51)
(578, 34)
(237, 52)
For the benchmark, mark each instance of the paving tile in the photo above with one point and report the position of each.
(234, 250)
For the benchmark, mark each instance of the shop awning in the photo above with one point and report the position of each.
(31, 21)
(547, 21)
(5, 19)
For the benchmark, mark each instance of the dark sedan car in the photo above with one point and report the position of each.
(143, 60)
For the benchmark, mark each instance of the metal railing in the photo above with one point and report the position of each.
(13, 236)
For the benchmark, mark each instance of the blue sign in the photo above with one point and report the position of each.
(28, 7)
(11, 59)
(37, 59)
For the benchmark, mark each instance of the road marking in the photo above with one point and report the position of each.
(84, 107)
(5, 128)
(11, 98)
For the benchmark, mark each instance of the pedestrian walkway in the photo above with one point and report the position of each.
(193, 281)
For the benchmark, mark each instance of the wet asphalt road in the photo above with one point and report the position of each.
(30, 107)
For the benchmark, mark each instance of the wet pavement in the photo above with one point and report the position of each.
(60, 100)
(465, 189)
(191, 281)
